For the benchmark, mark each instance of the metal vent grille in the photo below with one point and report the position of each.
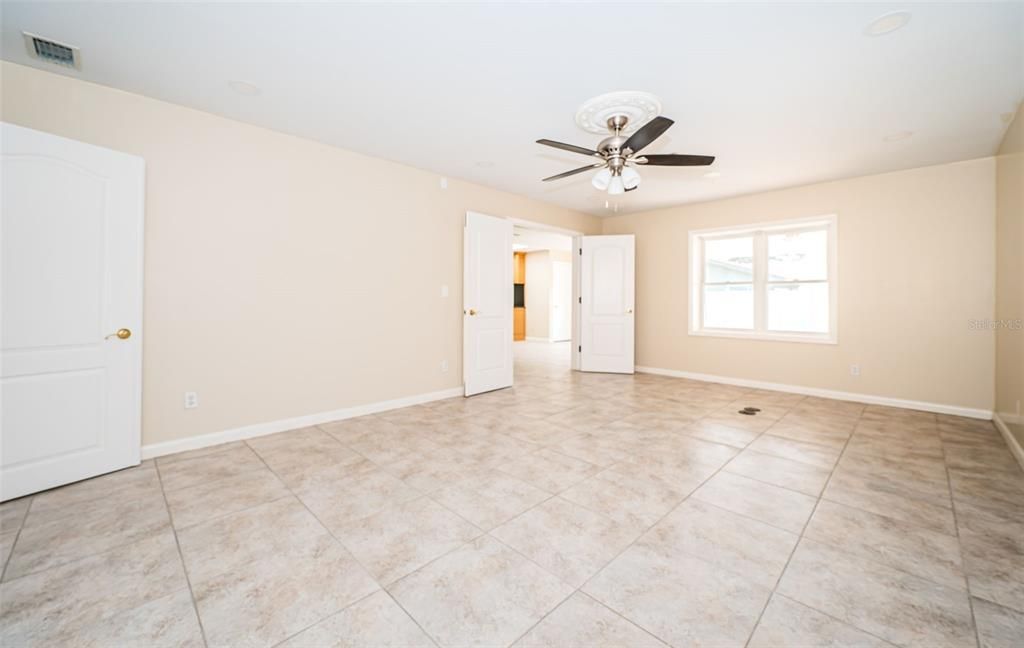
(51, 51)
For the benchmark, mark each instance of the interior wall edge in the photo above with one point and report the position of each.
(870, 399)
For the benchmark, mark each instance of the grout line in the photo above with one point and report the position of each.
(181, 556)
(17, 536)
(799, 541)
(959, 542)
(341, 544)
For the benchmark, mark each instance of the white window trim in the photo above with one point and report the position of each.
(695, 299)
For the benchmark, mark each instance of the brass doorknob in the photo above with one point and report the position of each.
(629, 311)
(122, 334)
(472, 311)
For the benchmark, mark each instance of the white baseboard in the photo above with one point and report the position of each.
(271, 427)
(537, 339)
(871, 399)
(1011, 440)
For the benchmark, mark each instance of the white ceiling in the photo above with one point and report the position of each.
(783, 94)
(536, 240)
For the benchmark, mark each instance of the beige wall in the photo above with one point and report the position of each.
(915, 265)
(1010, 278)
(284, 277)
(538, 294)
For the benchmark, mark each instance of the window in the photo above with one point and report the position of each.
(773, 281)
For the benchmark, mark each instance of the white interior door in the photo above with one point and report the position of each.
(561, 301)
(487, 298)
(72, 278)
(607, 274)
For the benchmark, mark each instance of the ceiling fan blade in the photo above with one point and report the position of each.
(567, 147)
(632, 189)
(673, 159)
(650, 131)
(573, 172)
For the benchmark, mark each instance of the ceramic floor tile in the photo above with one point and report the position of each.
(568, 540)
(903, 609)
(998, 626)
(929, 554)
(404, 537)
(123, 485)
(279, 528)
(263, 602)
(167, 621)
(773, 505)
(345, 493)
(206, 501)
(921, 479)
(483, 594)
(582, 622)
(374, 621)
(632, 496)
(6, 544)
(778, 471)
(808, 453)
(744, 546)
(48, 543)
(549, 470)
(720, 433)
(167, 460)
(208, 468)
(681, 599)
(294, 455)
(12, 513)
(40, 608)
(489, 499)
(788, 623)
(883, 499)
(1000, 494)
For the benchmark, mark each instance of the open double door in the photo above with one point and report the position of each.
(603, 296)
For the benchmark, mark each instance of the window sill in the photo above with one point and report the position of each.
(807, 338)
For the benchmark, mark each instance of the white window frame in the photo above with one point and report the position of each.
(760, 232)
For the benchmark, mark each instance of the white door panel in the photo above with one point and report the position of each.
(487, 312)
(608, 295)
(72, 275)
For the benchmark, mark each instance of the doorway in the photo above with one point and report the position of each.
(497, 311)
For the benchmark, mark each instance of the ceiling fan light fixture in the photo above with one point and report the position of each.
(630, 178)
(601, 179)
(616, 186)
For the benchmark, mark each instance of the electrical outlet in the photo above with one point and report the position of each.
(444, 366)
(191, 400)
(444, 290)
(444, 183)
(854, 370)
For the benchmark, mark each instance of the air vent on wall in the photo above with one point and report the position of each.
(51, 51)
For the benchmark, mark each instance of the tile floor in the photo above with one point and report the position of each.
(573, 510)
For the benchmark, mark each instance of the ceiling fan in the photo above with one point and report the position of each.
(617, 155)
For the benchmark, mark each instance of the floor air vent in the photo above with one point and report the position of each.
(51, 51)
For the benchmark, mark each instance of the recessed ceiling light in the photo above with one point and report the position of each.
(712, 174)
(895, 137)
(887, 23)
(245, 88)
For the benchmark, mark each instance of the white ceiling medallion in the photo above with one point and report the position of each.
(639, 107)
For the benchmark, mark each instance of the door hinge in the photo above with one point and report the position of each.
(579, 349)
(581, 299)
(581, 251)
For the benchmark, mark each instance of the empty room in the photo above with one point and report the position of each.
(487, 324)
